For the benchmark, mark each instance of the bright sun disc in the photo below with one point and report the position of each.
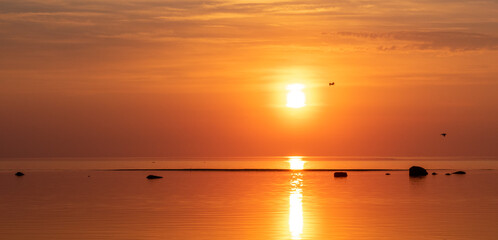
(295, 96)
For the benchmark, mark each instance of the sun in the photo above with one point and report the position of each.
(295, 96)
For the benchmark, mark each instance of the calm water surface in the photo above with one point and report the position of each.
(96, 204)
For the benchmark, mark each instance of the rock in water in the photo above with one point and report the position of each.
(340, 174)
(459, 172)
(434, 173)
(447, 174)
(417, 171)
(153, 177)
(19, 174)
(388, 174)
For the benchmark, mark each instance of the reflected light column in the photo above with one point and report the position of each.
(296, 199)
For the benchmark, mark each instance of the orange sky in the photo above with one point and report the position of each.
(208, 78)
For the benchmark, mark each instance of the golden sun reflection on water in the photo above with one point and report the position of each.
(296, 163)
(296, 222)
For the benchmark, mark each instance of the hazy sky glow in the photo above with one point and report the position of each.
(208, 78)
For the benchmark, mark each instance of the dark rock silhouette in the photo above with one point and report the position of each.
(434, 173)
(447, 174)
(340, 174)
(153, 177)
(19, 174)
(459, 172)
(388, 174)
(417, 171)
(443, 134)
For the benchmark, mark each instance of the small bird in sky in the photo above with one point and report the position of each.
(332, 84)
(443, 134)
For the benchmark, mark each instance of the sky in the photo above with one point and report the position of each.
(97, 78)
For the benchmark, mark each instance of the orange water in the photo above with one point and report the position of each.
(36, 164)
(89, 204)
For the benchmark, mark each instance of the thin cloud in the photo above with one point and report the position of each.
(435, 40)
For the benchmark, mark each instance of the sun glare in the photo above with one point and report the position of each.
(295, 96)
(296, 220)
(296, 163)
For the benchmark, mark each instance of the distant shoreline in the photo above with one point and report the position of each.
(257, 170)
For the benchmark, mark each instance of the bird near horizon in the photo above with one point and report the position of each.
(331, 83)
(443, 134)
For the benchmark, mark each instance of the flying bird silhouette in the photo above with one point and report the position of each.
(443, 134)
(332, 84)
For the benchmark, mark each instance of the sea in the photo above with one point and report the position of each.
(288, 197)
